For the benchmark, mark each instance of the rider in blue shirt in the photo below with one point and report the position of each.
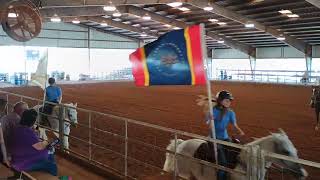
(53, 94)
(222, 117)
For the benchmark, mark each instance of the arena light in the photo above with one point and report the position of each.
(221, 23)
(208, 8)
(249, 25)
(76, 21)
(175, 4)
(293, 15)
(143, 35)
(221, 41)
(213, 20)
(104, 23)
(285, 11)
(12, 15)
(146, 17)
(281, 38)
(184, 9)
(167, 25)
(116, 14)
(176, 28)
(136, 25)
(55, 18)
(109, 7)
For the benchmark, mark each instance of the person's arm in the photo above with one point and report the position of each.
(3, 149)
(235, 125)
(238, 129)
(40, 145)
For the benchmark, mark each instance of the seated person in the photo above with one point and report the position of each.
(12, 120)
(27, 151)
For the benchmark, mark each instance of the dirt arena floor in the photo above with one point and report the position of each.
(260, 109)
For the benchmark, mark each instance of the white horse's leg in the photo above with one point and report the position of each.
(66, 137)
(42, 134)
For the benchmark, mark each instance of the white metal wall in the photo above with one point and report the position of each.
(264, 53)
(72, 36)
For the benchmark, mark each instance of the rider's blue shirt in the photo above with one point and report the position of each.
(221, 124)
(53, 93)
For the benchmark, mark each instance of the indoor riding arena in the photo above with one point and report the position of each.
(265, 53)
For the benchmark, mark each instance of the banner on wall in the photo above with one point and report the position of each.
(39, 78)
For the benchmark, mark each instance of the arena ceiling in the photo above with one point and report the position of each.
(240, 24)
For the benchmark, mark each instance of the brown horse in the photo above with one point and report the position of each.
(315, 103)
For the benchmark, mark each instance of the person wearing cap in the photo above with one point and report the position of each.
(223, 115)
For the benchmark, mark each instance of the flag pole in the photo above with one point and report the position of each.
(45, 83)
(211, 124)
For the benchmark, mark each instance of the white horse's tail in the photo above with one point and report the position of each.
(169, 163)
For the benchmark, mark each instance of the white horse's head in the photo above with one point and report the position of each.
(71, 113)
(283, 146)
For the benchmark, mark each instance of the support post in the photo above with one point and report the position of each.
(89, 51)
(308, 57)
(209, 63)
(309, 67)
(253, 61)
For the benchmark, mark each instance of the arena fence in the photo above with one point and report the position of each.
(136, 149)
(271, 76)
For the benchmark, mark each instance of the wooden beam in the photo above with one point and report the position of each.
(222, 11)
(68, 14)
(75, 3)
(165, 20)
(74, 11)
(121, 25)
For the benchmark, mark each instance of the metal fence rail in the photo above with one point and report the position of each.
(123, 150)
(272, 76)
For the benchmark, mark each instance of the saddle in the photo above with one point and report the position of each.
(206, 152)
(46, 109)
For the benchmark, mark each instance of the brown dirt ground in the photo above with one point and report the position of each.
(260, 108)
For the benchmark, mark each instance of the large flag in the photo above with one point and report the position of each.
(175, 58)
(39, 78)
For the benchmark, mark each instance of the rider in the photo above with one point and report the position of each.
(222, 117)
(53, 94)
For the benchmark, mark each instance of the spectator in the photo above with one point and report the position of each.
(10, 121)
(28, 152)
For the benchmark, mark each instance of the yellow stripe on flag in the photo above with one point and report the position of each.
(145, 67)
(189, 52)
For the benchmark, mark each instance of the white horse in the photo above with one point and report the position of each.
(276, 142)
(71, 118)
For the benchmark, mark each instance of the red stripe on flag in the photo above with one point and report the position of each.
(136, 59)
(197, 54)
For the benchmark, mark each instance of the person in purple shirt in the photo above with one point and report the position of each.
(28, 152)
